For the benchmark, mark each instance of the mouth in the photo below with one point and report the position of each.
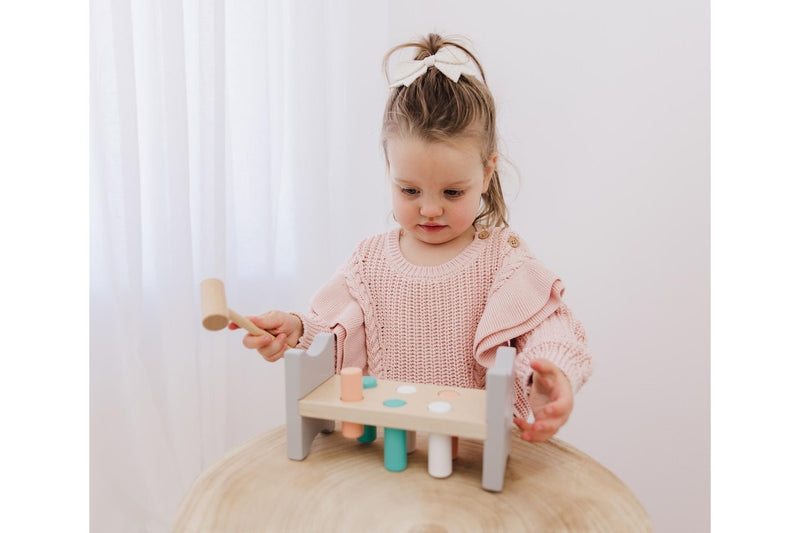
(432, 228)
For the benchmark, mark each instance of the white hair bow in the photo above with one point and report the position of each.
(451, 61)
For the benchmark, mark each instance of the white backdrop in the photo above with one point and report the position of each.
(240, 140)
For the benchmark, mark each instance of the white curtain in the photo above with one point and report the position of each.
(236, 140)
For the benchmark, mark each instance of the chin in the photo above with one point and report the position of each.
(436, 239)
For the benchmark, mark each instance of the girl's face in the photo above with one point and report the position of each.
(437, 187)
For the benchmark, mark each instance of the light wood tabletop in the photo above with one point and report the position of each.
(343, 486)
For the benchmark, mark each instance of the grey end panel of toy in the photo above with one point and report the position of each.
(499, 418)
(305, 371)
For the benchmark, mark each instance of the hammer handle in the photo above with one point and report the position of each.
(245, 323)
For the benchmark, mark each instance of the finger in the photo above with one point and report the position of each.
(521, 423)
(540, 431)
(544, 367)
(271, 358)
(559, 407)
(536, 434)
(257, 320)
(553, 410)
(547, 376)
(539, 413)
(256, 342)
(526, 428)
(544, 383)
(273, 350)
(262, 343)
(270, 320)
(547, 426)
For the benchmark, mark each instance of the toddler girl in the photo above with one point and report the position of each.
(432, 300)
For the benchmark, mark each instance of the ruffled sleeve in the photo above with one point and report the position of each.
(524, 309)
(560, 339)
(333, 309)
(523, 294)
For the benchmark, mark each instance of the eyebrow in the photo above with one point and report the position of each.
(453, 185)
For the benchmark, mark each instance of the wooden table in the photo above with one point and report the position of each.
(343, 486)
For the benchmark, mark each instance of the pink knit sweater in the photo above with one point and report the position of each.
(443, 324)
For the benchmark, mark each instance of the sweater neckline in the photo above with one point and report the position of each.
(403, 266)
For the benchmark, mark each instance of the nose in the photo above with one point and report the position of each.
(430, 209)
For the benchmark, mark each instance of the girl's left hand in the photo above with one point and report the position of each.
(550, 399)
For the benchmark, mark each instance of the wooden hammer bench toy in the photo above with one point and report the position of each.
(316, 397)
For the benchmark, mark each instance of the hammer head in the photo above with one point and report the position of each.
(213, 306)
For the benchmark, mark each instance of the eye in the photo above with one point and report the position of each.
(452, 193)
(409, 191)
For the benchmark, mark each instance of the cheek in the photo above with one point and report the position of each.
(397, 205)
(475, 204)
(466, 211)
(400, 206)
(474, 208)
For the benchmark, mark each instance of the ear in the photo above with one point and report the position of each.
(488, 171)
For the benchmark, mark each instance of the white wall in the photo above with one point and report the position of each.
(604, 110)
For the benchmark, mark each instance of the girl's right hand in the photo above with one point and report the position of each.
(286, 328)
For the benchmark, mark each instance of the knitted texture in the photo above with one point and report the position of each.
(443, 324)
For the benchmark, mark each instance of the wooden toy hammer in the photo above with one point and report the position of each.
(215, 309)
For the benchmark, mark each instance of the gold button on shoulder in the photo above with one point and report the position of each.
(483, 234)
(513, 241)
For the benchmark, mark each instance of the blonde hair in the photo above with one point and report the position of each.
(434, 108)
